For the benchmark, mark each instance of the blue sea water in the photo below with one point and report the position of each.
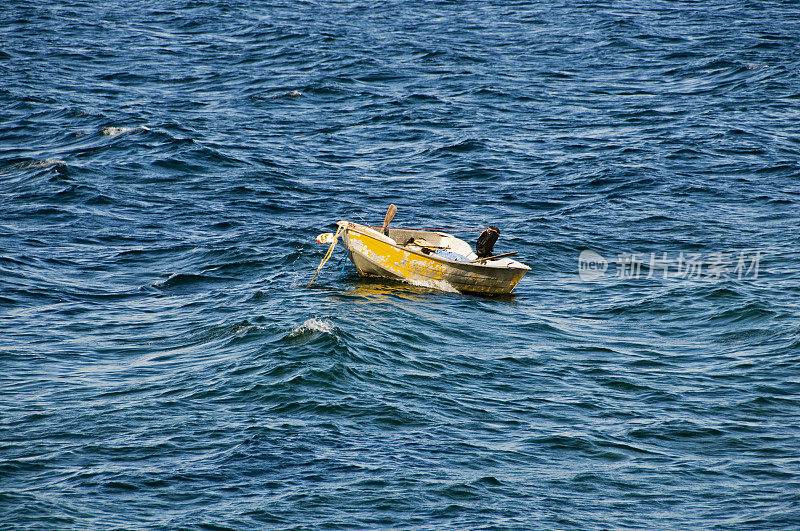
(165, 167)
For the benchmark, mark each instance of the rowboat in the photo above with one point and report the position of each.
(427, 258)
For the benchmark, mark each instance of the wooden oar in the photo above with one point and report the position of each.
(495, 257)
(389, 215)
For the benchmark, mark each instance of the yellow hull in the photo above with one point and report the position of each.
(375, 254)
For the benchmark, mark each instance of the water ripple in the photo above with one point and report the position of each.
(165, 169)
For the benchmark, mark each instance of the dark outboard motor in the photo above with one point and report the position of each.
(486, 241)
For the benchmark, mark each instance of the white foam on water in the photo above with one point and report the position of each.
(114, 131)
(314, 324)
(47, 163)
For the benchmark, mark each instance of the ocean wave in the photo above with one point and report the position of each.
(14, 166)
(187, 280)
(121, 130)
(312, 327)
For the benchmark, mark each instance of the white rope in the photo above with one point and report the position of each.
(328, 254)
